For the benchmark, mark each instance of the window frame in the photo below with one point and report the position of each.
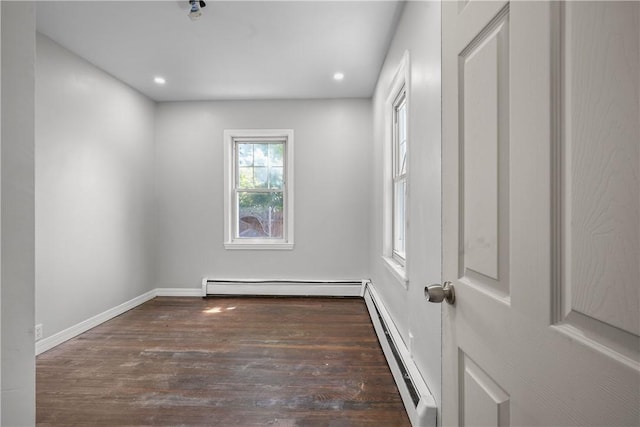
(399, 88)
(232, 137)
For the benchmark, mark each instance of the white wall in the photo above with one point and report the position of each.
(332, 190)
(418, 33)
(94, 190)
(17, 265)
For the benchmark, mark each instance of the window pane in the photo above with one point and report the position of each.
(401, 142)
(245, 176)
(275, 178)
(402, 157)
(402, 122)
(399, 217)
(245, 154)
(260, 177)
(260, 154)
(260, 215)
(276, 152)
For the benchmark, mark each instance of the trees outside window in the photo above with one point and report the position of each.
(259, 189)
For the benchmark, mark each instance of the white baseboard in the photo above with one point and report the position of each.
(419, 402)
(75, 330)
(325, 288)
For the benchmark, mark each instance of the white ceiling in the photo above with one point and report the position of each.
(237, 50)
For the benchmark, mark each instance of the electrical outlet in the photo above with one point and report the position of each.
(38, 331)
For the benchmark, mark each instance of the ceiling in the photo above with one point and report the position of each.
(236, 50)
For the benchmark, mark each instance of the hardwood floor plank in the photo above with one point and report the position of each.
(226, 362)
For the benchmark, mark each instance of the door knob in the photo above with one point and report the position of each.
(439, 293)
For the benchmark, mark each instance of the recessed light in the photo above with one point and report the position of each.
(338, 76)
(159, 80)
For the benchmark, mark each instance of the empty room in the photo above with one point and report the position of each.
(320, 213)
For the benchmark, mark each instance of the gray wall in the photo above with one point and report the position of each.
(418, 322)
(332, 190)
(17, 265)
(94, 190)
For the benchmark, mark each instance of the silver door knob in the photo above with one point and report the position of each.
(439, 293)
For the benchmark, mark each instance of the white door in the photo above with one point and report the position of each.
(541, 213)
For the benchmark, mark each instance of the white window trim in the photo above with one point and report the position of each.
(398, 271)
(286, 243)
(400, 80)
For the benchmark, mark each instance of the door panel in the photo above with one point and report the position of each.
(600, 239)
(484, 120)
(483, 403)
(541, 213)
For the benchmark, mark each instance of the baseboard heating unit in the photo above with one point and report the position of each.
(326, 288)
(418, 400)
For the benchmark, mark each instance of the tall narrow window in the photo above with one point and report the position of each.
(399, 177)
(259, 199)
(395, 168)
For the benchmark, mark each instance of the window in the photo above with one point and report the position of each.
(399, 177)
(396, 172)
(259, 189)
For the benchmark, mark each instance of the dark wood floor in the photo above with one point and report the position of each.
(223, 362)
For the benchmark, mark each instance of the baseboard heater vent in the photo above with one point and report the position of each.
(396, 355)
(269, 287)
(417, 398)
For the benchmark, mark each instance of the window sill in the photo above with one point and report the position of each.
(258, 246)
(398, 270)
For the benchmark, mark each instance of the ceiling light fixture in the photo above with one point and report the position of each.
(338, 76)
(159, 80)
(196, 9)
